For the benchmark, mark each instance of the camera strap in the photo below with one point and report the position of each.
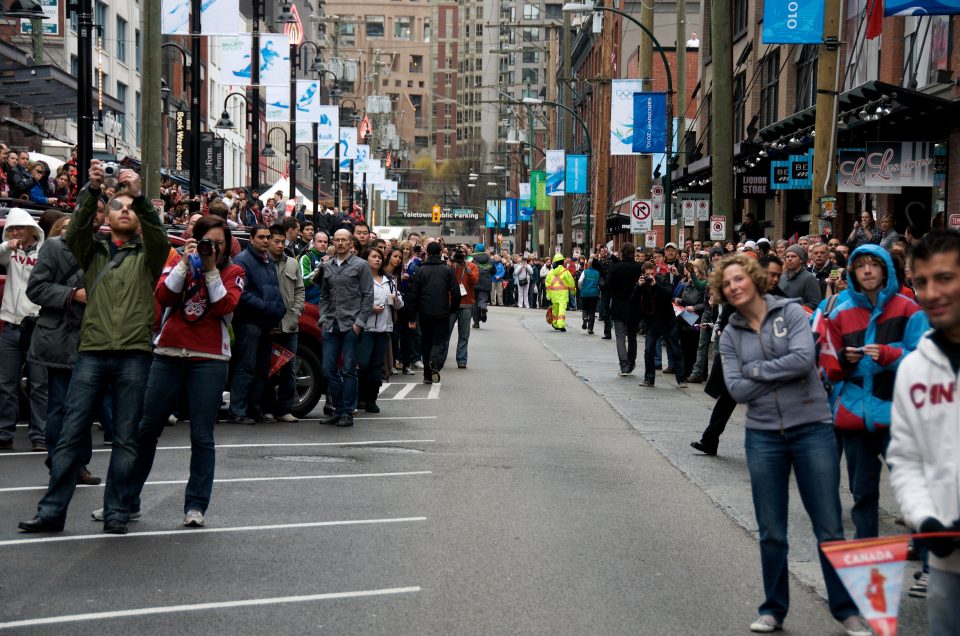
(114, 262)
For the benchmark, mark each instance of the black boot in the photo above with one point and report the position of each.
(362, 388)
(373, 390)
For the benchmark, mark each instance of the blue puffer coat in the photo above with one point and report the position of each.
(260, 302)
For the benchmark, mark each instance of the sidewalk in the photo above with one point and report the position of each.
(670, 418)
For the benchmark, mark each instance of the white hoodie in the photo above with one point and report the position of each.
(19, 263)
(924, 447)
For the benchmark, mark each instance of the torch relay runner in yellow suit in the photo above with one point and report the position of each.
(559, 285)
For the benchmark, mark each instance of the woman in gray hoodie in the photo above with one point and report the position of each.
(769, 363)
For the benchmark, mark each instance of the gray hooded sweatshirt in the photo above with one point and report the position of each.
(774, 371)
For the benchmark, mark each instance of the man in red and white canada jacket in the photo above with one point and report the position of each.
(924, 448)
(190, 360)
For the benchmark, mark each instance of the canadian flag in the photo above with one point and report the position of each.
(874, 18)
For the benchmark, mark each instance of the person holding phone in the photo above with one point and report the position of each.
(867, 334)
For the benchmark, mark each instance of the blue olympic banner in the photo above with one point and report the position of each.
(649, 122)
(555, 176)
(496, 218)
(512, 208)
(921, 7)
(793, 22)
(576, 174)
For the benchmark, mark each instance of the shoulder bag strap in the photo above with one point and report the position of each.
(114, 262)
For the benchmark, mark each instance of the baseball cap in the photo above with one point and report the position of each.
(671, 244)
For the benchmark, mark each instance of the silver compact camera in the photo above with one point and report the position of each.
(111, 172)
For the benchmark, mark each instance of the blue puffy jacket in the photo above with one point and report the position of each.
(260, 302)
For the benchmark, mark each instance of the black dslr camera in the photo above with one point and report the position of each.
(206, 247)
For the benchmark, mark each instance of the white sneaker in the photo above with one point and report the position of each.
(97, 515)
(287, 417)
(193, 519)
(765, 624)
(857, 626)
(418, 364)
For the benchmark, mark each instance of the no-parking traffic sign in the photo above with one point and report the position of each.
(651, 238)
(641, 216)
(718, 228)
(703, 210)
(656, 194)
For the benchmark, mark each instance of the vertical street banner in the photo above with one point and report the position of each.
(181, 142)
(328, 131)
(538, 190)
(526, 203)
(217, 17)
(389, 190)
(376, 174)
(921, 7)
(649, 123)
(512, 211)
(555, 173)
(792, 22)
(274, 60)
(308, 101)
(348, 147)
(621, 115)
(496, 213)
(234, 55)
(872, 572)
(211, 152)
(576, 174)
(278, 103)
(360, 163)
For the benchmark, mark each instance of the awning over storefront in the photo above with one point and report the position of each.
(868, 106)
(44, 89)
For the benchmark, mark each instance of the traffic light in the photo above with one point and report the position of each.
(436, 213)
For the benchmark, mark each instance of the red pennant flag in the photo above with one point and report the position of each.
(279, 358)
(874, 18)
(872, 572)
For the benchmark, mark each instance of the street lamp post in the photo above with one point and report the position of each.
(335, 97)
(586, 134)
(296, 63)
(226, 123)
(574, 7)
(196, 157)
(336, 168)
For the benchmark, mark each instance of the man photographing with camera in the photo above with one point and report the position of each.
(120, 272)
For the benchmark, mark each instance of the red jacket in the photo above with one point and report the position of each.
(469, 278)
(198, 323)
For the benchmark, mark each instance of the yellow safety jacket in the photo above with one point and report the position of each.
(560, 280)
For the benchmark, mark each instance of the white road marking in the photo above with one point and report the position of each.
(434, 392)
(173, 609)
(276, 445)
(404, 390)
(183, 532)
(247, 479)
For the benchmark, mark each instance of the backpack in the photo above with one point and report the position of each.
(523, 278)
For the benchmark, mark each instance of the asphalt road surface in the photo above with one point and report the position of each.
(511, 499)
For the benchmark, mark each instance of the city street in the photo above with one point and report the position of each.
(517, 500)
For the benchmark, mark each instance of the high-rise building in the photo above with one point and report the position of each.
(392, 46)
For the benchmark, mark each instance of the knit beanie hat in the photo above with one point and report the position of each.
(796, 249)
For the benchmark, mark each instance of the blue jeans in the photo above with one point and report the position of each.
(460, 320)
(12, 359)
(125, 372)
(286, 377)
(58, 383)
(370, 354)
(252, 354)
(658, 354)
(865, 453)
(943, 610)
(202, 382)
(811, 451)
(651, 349)
(341, 378)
